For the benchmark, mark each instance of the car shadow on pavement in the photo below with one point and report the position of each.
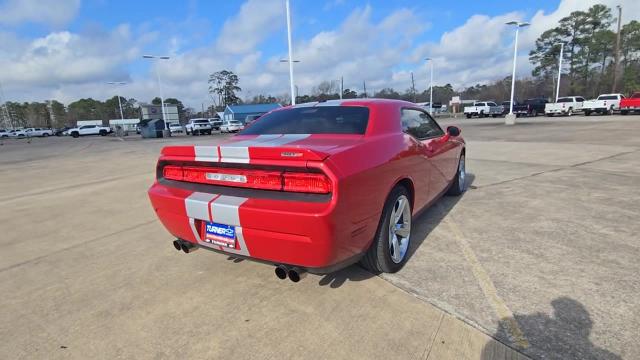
(429, 219)
(352, 273)
(563, 335)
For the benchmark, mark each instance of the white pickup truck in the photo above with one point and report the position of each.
(604, 104)
(567, 105)
(38, 132)
(85, 130)
(483, 109)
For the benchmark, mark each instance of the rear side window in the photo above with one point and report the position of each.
(608, 97)
(561, 100)
(419, 124)
(312, 120)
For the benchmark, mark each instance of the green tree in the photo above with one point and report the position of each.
(223, 86)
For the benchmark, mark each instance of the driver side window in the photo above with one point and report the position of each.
(419, 124)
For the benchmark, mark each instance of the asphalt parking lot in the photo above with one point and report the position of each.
(541, 253)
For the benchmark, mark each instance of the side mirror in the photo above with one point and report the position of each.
(453, 131)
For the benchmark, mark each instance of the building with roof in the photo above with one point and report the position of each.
(152, 111)
(240, 112)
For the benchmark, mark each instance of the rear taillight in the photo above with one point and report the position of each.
(302, 182)
(255, 179)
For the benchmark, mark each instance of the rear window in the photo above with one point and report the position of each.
(565, 100)
(201, 121)
(312, 120)
(608, 97)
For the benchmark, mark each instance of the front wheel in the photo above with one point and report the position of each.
(388, 251)
(45, 135)
(459, 183)
(468, 116)
(75, 134)
(587, 113)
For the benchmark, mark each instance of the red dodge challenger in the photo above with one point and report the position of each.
(312, 188)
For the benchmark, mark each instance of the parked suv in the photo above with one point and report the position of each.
(215, 123)
(198, 127)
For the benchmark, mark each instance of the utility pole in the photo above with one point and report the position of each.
(364, 85)
(413, 88)
(559, 71)
(616, 68)
(341, 86)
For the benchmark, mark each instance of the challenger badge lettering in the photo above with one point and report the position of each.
(290, 154)
(227, 177)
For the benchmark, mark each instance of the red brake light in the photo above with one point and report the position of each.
(256, 179)
(172, 173)
(312, 183)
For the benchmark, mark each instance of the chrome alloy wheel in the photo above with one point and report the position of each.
(399, 229)
(462, 174)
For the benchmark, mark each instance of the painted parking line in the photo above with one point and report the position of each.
(487, 286)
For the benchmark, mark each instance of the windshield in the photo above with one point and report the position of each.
(313, 120)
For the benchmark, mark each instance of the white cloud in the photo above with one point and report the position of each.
(51, 12)
(256, 20)
(382, 52)
(67, 58)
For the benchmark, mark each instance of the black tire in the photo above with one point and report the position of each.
(459, 185)
(610, 111)
(624, 112)
(481, 115)
(570, 112)
(549, 115)
(494, 116)
(209, 132)
(103, 133)
(378, 257)
(587, 112)
(45, 135)
(75, 134)
(468, 116)
(193, 133)
(534, 113)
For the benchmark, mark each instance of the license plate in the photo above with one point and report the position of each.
(220, 234)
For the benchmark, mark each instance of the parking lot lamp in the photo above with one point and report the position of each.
(293, 96)
(559, 71)
(119, 102)
(164, 115)
(510, 119)
(431, 88)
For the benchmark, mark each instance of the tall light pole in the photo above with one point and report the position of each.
(430, 87)
(616, 72)
(164, 115)
(119, 102)
(294, 88)
(510, 119)
(293, 97)
(559, 71)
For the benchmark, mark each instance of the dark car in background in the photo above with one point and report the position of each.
(505, 106)
(530, 107)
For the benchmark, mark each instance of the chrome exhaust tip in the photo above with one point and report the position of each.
(281, 272)
(296, 274)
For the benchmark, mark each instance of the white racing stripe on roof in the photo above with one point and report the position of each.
(284, 139)
(206, 153)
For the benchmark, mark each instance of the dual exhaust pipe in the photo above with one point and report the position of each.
(185, 246)
(294, 274)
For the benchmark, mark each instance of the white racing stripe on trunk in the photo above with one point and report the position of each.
(239, 152)
(225, 210)
(206, 153)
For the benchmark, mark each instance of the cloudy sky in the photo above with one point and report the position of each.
(68, 49)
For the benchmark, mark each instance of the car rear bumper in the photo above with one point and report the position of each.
(305, 232)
